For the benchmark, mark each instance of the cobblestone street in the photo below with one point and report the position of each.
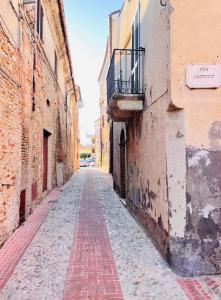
(82, 243)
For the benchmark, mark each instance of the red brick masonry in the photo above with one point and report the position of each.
(92, 272)
(15, 247)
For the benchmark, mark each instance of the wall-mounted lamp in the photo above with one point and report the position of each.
(80, 102)
(77, 92)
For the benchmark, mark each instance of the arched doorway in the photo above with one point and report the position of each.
(122, 165)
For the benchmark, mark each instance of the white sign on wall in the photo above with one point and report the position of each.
(203, 76)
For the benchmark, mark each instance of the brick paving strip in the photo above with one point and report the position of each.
(214, 285)
(92, 272)
(15, 247)
(193, 289)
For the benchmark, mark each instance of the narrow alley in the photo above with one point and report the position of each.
(110, 150)
(82, 243)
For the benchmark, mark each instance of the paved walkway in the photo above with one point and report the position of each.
(92, 273)
(81, 243)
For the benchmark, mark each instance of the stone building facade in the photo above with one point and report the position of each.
(38, 107)
(164, 101)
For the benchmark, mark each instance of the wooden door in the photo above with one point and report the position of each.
(22, 207)
(45, 160)
(122, 165)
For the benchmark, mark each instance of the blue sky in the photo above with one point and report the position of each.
(87, 22)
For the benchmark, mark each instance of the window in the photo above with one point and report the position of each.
(55, 64)
(40, 20)
(135, 54)
(136, 30)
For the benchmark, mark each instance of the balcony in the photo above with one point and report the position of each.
(125, 84)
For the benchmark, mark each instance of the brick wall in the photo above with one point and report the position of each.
(27, 111)
(10, 134)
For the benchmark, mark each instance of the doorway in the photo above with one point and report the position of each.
(111, 166)
(46, 135)
(122, 165)
(22, 207)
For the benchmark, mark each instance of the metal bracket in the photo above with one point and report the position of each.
(163, 2)
(29, 1)
(6, 185)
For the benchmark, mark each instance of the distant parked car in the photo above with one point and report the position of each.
(83, 163)
(92, 164)
(91, 161)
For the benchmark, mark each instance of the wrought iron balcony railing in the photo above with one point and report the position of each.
(126, 73)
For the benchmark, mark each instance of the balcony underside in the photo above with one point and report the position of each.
(123, 107)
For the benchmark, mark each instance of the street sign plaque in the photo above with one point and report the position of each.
(203, 76)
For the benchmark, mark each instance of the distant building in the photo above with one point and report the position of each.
(104, 118)
(85, 149)
(163, 90)
(93, 145)
(38, 107)
(98, 142)
(90, 148)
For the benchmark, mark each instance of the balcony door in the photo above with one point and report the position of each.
(135, 64)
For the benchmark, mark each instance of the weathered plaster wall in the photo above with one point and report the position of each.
(174, 146)
(199, 244)
(147, 172)
(147, 132)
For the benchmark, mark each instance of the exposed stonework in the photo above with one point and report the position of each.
(200, 248)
